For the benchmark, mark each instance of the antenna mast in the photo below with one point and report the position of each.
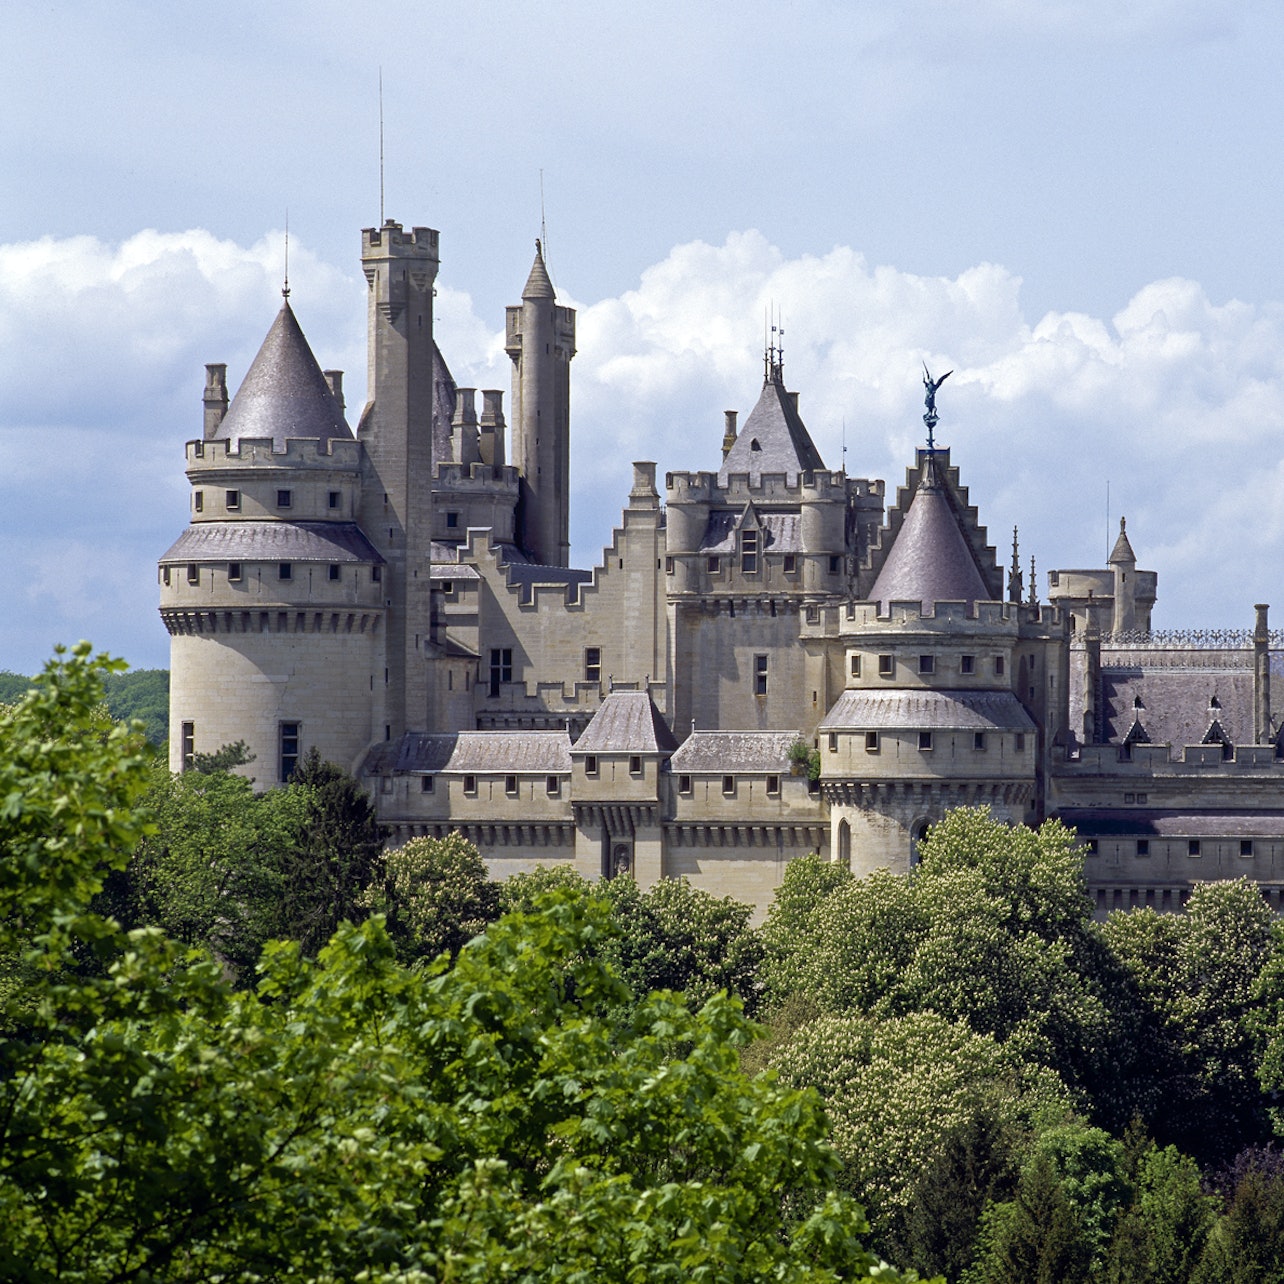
(543, 225)
(285, 291)
(381, 220)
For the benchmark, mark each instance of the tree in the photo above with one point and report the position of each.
(352, 1119)
(435, 896)
(789, 934)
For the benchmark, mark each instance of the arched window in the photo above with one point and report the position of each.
(844, 844)
(918, 831)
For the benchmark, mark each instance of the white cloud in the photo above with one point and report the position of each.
(1177, 401)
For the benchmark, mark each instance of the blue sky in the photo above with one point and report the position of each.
(1075, 205)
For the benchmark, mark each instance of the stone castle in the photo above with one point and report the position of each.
(401, 599)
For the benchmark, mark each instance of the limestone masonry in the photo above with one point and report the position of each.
(401, 599)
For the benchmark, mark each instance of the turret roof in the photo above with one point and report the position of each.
(627, 722)
(284, 394)
(538, 285)
(1122, 551)
(774, 438)
(931, 559)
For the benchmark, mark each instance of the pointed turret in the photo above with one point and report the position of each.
(774, 438)
(540, 339)
(931, 558)
(284, 393)
(1123, 562)
(1122, 553)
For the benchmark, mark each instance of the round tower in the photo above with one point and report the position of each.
(273, 594)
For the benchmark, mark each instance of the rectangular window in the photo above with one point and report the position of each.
(1020, 742)
(1128, 798)
(773, 786)
(1143, 847)
(1192, 847)
(285, 571)
(749, 552)
(1141, 798)
(886, 666)
(590, 764)
(635, 764)
(470, 786)
(553, 786)
(501, 669)
(967, 664)
(833, 742)
(871, 742)
(593, 664)
(855, 666)
(193, 573)
(165, 576)
(668, 566)
(510, 786)
(835, 565)
(334, 570)
(198, 501)
(283, 499)
(233, 498)
(728, 786)
(684, 784)
(1245, 846)
(427, 784)
(978, 741)
(760, 675)
(336, 498)
(791, 563)
(452, 521)
(233, 571)
(998, 666)
(188, 749)
(927, 664)
(924, 741)
(289, 749)
(376, 574)
(714, 565)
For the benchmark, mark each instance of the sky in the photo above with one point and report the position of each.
(1075, 205)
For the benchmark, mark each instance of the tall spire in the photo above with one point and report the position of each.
(538, 284)
(1015, 585)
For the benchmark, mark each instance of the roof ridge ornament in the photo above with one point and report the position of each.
(931, 418)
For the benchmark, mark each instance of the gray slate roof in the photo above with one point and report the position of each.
(781, 532)
(272, 542)
(1174, 707)
(1122, 551)
(284, 394)
(873, 710)
(719, 751)
(518, 752)
(774, 439)
(627, 722)
(538, 284)
(1148, 823)
(931, 560)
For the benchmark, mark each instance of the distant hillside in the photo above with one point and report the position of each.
(140, 693)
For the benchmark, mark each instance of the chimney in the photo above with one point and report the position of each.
(492, 428)
(1261, 677)
(728, 432)
(335, 379)
(215, 398)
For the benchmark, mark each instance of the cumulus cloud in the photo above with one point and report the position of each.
(1174, 403)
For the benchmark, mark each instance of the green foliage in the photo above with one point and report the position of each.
(350, 1119)
(141, 694)
(435, 896)
(790, 934)
(224, 758)
(805, 758)
(1246, 1246)
(1209, 983)
(676, 937)
(896, 1089)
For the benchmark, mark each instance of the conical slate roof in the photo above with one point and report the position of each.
(931, 560)
(1122, 551)
(538, 285)
(774, 439)
(284, 394)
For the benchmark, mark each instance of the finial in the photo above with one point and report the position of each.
(539, 248)
(931, 418)
(285, 289)
(1014, 576)
(1034, 592)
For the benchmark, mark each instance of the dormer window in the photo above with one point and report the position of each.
(749, 552)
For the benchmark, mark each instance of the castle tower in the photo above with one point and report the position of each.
(273, 596)
(396, 433)
(541, 342)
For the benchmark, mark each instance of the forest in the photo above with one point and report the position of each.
(241, 1040)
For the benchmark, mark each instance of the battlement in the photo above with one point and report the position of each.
(1147, 760)
(944, 617)
(813, 487)
(299, 452)
(391, 240)
(477, 478)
